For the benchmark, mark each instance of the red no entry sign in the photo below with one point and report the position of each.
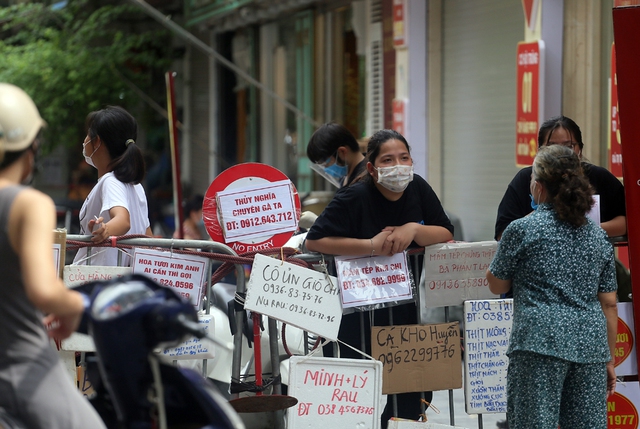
(251, 207)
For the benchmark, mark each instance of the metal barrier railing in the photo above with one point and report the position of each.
(219, 252)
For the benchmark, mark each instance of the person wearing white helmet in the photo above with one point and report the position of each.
(34, 386)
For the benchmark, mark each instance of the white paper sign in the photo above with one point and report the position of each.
(57, 248)
(335, 393)
(486, 338)
(295, 295)
(625, 351)
(194, 348)
(373, 280)
(182, 273)
(76, 275)
(258, 211)
(455, 272)
(594, 213)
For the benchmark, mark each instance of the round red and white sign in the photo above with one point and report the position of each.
(251, 207)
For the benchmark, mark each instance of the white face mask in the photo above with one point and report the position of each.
(395, 178)
(87, 158)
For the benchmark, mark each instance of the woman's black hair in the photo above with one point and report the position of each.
(11, 157)
(559, 169)
(375, 143)
(193, 204)
(552, 124)
(118, 131)
(326, 140)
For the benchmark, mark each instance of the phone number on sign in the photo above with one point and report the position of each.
(376, 281)
(177, 283)
(456, 284)
(417, 355)
(295, 308)
(266, 219)
(327, 409)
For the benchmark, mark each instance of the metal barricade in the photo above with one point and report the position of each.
(221, 253)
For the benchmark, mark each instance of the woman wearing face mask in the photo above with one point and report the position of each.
(517, 199)
(561, 267)
(117, 205)
(335, 153)
(385, 212)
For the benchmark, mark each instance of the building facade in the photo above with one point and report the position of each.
(443, 72)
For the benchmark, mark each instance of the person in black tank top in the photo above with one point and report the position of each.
(34, 386)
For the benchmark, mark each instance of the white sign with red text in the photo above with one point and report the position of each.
(456, 272)
(338, 393)
(257, 211)
(182, 273)
(373, 280)
(295, 295)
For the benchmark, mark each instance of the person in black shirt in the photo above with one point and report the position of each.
(516, 202)
(388, 210)
(336, 152)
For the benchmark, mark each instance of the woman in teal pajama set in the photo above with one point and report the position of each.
(561, 267)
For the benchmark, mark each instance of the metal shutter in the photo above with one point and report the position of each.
(478, 109)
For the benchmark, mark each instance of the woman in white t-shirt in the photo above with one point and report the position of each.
(117, 205)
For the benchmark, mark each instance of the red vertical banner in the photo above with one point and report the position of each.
(530, 8)
(399, 23)
(388, 61)
(530, 83)
(626, 31)
(615, 148)
(175, 153)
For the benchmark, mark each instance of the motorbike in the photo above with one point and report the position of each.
(128, 318)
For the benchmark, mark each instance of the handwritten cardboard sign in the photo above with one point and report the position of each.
(373, 280)
(182, 273)
(418, 358)
(194, 348)
(455, 272)
(257, 211)
(486, 338)
(625, 352)
(295, 295)
(335, 393)
(76, 275)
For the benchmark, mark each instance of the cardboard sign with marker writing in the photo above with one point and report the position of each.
(296, 295)
(194, 348)
(455, 272)
(418, 358)
(486, 338)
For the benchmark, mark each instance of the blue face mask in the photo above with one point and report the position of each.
(336, 171)
(534, 205)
